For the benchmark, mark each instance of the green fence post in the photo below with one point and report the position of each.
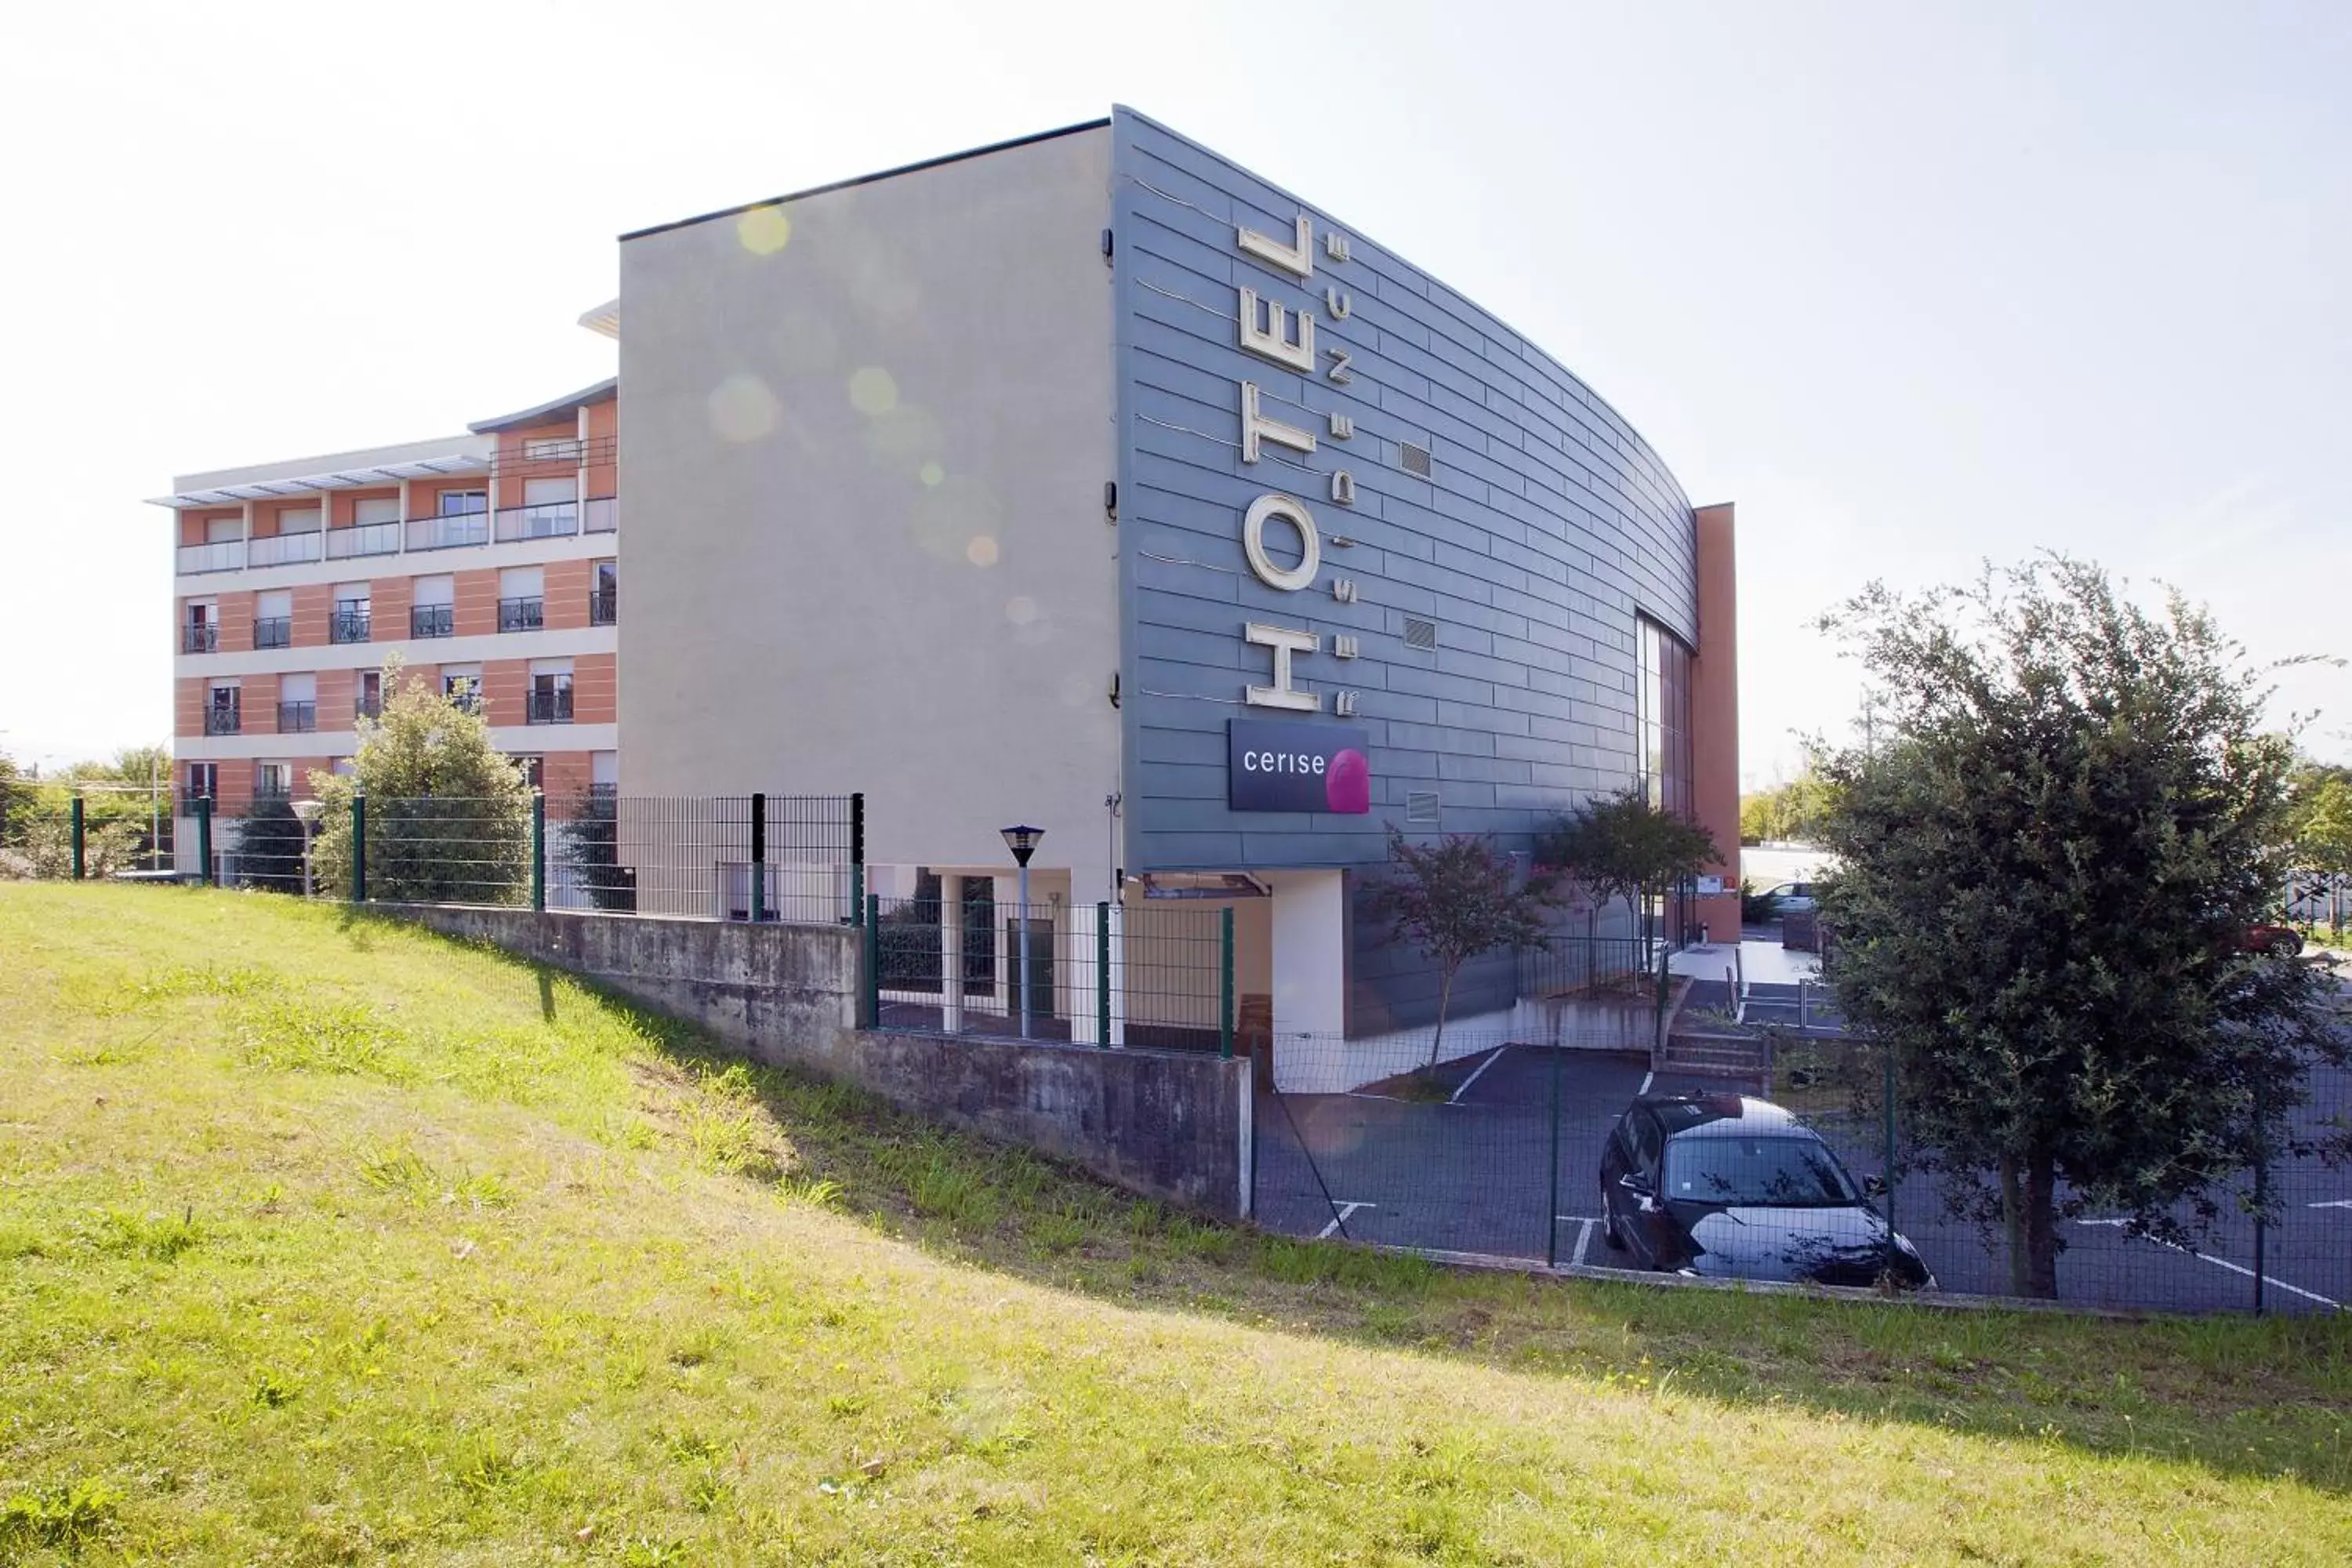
(870, 1003)
(759, 857)
(80, 862)
(1890, 1137)
(857, 856)
(1102, 974)
(203, 841)
(359, 850)
(1551, 1209)
(538, 852)
(1225, 982)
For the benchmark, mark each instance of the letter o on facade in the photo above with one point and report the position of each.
(1311, 547)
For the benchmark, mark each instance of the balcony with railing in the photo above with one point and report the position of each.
(297, 718)
(366, 539)
(188, 798)
(549, 707)
(432, 620)
(600, 514)
(451, 532)
(282, 550)
(603, 606)
(272, 791)
(466, 699)
(200, 637)
(522, 615)
(222, 556)
(273, 631)
(350, 626)
(550, 520)
(366, 707)
(220, 721)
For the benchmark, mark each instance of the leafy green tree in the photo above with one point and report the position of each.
(2044, 872)
(1622, 846)
(1455, 899)
(2323, 841)
(448, 816)
(269, 843)
(1794, 810)
(590, 845)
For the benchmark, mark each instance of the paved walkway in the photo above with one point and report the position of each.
(1759, 963)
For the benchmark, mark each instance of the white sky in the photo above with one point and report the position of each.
(1912, 287)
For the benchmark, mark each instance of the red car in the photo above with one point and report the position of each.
(2278, 941)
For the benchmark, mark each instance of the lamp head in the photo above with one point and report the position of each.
(1023, 842)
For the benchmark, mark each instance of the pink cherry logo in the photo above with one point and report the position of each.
(1348, 787)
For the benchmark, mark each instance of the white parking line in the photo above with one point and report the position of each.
(1466, 1082)
(1583, 1239)
(2334, 1204)
(1347, 1212)
(1646, 1079)
(2270, 1280)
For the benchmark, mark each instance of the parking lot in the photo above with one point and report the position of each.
(1475, 1175)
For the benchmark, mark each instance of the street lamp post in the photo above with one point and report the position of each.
(307, 812)
(1023, 842)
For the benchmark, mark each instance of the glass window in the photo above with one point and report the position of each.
(1784, 1172)
(464, 503)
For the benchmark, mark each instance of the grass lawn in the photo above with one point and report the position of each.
(323, 1241)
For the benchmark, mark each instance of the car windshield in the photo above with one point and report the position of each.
(1782, 1173)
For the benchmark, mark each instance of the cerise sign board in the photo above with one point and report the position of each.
(1273, 765)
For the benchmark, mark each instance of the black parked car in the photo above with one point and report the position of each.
(1723, 1185)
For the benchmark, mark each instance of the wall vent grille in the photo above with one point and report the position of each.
(1416, 459)
(1420, 805)
(1419, 634)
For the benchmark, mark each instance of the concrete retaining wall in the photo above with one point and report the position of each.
(1170, 1124)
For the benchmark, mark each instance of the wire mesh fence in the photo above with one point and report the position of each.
(1508, 1146)
(791, 859)
(1129, 975)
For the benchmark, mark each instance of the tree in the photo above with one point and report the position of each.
(270, 848)
(448, 817)
(1456, 899)
(2323, 842)
(1793, 810)
(1622, 846)
(2046, 869)
(591, 847)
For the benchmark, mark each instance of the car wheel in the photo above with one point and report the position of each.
(2285, 944)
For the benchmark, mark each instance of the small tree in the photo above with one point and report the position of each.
(270, 848)
(448, 816)
(2045, 876)
(589, 845)
(2323, 842)
(1456, 899)
(1622, 846)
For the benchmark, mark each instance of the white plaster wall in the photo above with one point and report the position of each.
(1310, 960)
(868, 437)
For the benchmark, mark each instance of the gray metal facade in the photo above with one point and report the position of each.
(1545, 526)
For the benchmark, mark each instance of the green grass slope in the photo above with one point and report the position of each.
(324, 1240)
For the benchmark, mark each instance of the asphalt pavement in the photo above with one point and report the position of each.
(1492, 1171)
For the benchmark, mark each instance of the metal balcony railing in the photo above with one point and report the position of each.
(549, 707)
(188, 798)
(432, 620)
(274, 631)
(200, 637)
(282, 548)
(603, 606)
(449, 532)
(367, 707)
(367, 539)
(350, 626)
(550, 520)
(521, 614)
(297, 718)
(468, 697)
(273, 791)
(600, 514)
(224, 555)
(224, 720)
